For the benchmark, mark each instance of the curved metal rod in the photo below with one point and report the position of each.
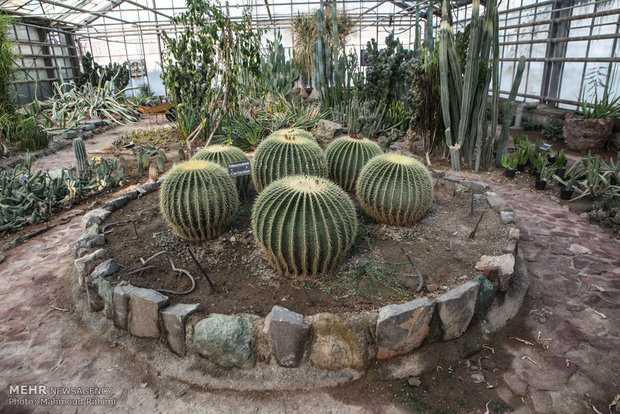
(174, 268)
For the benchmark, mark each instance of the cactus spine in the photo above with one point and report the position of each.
(346, 157)
(198, 199)
(292, 132)
(284, 155)
(304, 224)
(395, 189)
(81, 159)
(224, 155)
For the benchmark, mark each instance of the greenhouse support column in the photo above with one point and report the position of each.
(553, 70)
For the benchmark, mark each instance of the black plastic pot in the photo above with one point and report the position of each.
(613, 180)
(560, 172)
(537, 176)
(510, 173)
(520, 167)
(533, 171)
(540, 185)
(551, 160)
(566, 194)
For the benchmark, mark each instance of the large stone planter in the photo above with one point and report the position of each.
(587, 134)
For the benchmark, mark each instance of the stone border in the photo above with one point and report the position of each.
(59, 141)
(287, 350)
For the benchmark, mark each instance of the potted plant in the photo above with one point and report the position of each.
(510, 164)
(592, 130)
(551, 156)
(545, 175)
(539, 163)
(560, 164)
(566, 186)
(523, 156)
(613, 170)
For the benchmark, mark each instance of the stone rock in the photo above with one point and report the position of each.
(85, 265)
(144, 305)
(70, 134)
(510, 248)
(516, 385)
(104, 269)
(314, 95)
(96, 216)
(514, 233)
(95, 302)
(116, 203)
(402, 328)
(456, 308)
(486, 292)
(106, 292)
(326, 131)
(227, 340)
(583, 135)
(87, 134)
(579, 249)
(492, 274)
(87, 241)
(414, 381)
(147, 187)
(508, 217)
(174, 318)
(287, 336)
(121, 305)
(335, 346)
(91, 230)
(542, 401)
(475, 186)
(132, 194)
(505, 263)
(495, 201)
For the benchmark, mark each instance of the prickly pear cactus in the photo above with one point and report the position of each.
(81, 158)
(304, 224)
(285, 155)
(395, 189)
(224, 155)
(347, 156)
(292, 132)
(198, 199)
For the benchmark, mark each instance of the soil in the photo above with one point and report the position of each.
(375, 272)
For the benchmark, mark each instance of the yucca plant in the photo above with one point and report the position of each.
(395, 189)
(198, 199)
(304, 224)
(285, 155)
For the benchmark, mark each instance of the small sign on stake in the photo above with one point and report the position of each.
(239, 168)
(545, 147)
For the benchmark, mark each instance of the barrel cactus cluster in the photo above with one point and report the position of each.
(346, 156)
(198, 199)
(285, 155)
(304, 224)
(395, 189)
(224, 155)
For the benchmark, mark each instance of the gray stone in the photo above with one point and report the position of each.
(326, 131)
(88, 127)
(70, 134)
(87, 241)
(85, 265)
(403, 328)
(132, 194)
(505, 263)
(495, 201)
(104, 269)
(96, 216)
(335, 345)
(510, 248)
(88, 134)
(174, 318)
(116, 203)
(144, 305)
(514, 233)
(456, 308)
(227, 340)
(486, 292)
(91, 230)
(453, 178)
(287, 336)
(95, 302)
(106, 291)
(147, 188)
(508, 217)
(121, 305)
(475, 186)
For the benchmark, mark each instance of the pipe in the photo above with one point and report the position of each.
(519, 112)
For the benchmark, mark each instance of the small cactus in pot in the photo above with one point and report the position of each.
(285, 155)
(304, 224)
(198, 199)
(395, 189)
(346, 156)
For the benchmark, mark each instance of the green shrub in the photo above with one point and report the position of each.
(304, 224)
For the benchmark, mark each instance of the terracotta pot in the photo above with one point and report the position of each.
(587, 134)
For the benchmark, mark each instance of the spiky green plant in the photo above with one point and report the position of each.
(81, 159)
(346, 156)
(198, 199)
(304, 224)
(224, 155)
(292, 132)
(395, 189)
(284, 155)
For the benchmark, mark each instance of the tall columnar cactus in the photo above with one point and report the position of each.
(284, 155)
(198, 199)
(81, 158)
(395, 189)
(347, 156)
(304, 224)
(292, 132)
(224, 155)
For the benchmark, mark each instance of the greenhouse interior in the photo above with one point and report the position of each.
(324, 206)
